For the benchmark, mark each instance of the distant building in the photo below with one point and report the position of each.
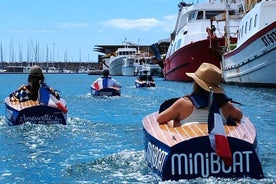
(16, 69)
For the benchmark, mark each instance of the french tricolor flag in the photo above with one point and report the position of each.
(46, 98)
(97, 85)
(217, 136)
(100, 83)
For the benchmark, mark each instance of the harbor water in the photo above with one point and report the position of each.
(103, 140)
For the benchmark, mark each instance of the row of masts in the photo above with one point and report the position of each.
(34, 54)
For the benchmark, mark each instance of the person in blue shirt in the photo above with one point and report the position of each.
(106, 81)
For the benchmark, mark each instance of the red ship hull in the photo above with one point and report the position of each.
(189, 58)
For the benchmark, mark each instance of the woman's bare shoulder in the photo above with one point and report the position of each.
(185, 101)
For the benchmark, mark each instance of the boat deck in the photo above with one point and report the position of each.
(171, 136)
(20, 105)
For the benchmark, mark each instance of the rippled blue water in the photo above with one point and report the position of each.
(103, 141)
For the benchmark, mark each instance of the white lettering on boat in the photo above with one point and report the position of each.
(155, 156)
(105, 93)
(45, 119)
(209, 163)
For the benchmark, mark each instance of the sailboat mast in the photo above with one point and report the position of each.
(47, 56)
(2, 60)
(1, 54)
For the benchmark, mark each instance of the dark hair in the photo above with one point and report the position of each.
(105, 73)
(35, 82)
(220, 97)
(199, 90)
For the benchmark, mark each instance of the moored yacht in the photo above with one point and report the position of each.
(253, 61)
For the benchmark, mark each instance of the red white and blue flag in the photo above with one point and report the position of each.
(46, 98)
(100, 83)
(97, 85)
(217, 136)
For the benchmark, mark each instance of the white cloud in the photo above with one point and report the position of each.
(143, 24)
(171, 17)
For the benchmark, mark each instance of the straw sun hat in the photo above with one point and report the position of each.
(208, 75)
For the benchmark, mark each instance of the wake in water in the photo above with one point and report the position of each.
(125, 166)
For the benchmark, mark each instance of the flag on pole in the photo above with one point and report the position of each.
(100, 83)
(46, 98)
(96, 85)
(217, 136)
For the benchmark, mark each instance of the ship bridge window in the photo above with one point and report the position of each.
(199, 15)
(231, 12)
(240, 10)
(192, 16)
(210, 14)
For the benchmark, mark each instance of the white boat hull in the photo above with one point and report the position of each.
(116, 62)
(254, 61)
(128, 70)
(115, 66)
(129, 67)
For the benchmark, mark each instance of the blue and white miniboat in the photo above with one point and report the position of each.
(106, 91)
(184, 152)
(17, 113)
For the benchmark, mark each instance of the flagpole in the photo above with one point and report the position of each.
(211, 96)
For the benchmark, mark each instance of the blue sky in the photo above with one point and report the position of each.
(72, 28)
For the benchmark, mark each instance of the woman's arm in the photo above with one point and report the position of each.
(181, 109)
(169, 114)
(232, 112)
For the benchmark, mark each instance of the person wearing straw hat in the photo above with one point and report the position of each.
(194, 107)
(30, 91)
